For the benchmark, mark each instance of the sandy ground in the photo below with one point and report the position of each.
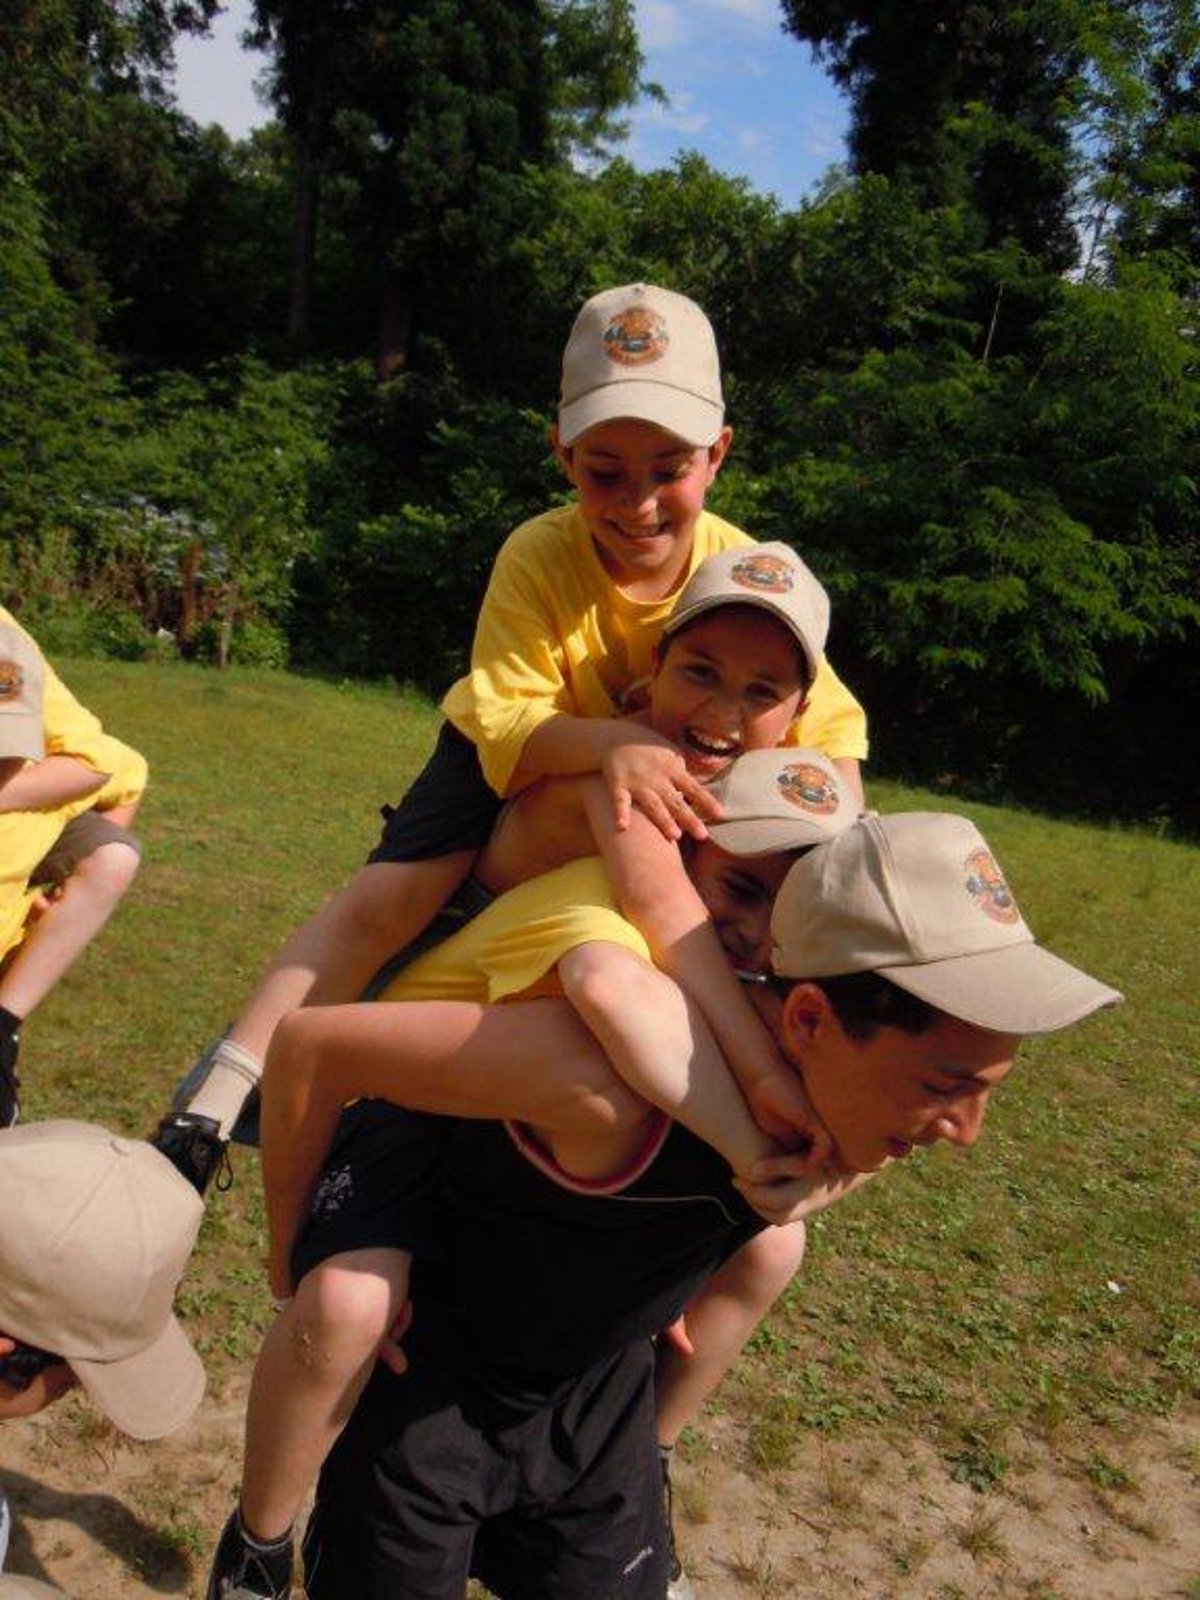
(103, 1518)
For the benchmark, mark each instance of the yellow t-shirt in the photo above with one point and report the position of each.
(556, 635)
(68, 729)
(513, 946)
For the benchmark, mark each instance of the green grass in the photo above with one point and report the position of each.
(1047, 1283)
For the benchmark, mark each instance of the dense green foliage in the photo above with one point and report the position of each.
(282, 400)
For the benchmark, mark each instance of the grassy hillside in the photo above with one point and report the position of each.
(1053, 1274)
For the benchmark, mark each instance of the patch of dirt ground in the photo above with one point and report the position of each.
(1090, 1517)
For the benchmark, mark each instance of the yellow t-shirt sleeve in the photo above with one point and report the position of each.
(72, 730)
(833, 720)
(517, 679)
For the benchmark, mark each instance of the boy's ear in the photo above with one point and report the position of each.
(718, 450)
(806, 1010)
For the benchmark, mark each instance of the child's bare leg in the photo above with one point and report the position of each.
(329, 961)
(314, 1364)
(332, 958)
(720, 1320)
(89, 897)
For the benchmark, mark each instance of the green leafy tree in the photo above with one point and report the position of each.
(1010, 542)
(62, 416)
(1145, 194)
(226, 466)
(421, 117)
(88, 123)
(970, 104)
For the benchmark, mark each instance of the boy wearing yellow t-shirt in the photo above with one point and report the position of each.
(68, 792)
(573, 611)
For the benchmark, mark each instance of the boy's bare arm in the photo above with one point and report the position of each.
(655, 893)
(639, 767)
(44, 785)
(532, 1061)
(331, 958)
(660, 1045)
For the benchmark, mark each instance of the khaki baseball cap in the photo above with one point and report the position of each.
(779, 799)
(770, 576)
(645, 353)
(95, 1232)
(919, 897)
(15, 1587)
(22, 675)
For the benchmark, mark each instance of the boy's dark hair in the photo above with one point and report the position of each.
(805, 673)
(864, 1002)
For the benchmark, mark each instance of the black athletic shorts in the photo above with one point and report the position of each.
(449, 807)
(433, 1481)
(377, 1187)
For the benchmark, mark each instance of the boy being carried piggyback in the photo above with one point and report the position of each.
(574, 608)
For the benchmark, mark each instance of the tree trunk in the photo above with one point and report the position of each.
(189, 595)
(394, 333)
(225, 629)
(305, 206)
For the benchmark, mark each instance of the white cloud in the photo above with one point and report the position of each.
(662, 24)
(760, 13)
(753, 140)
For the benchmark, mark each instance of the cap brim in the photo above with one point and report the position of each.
(150, 1394)
(1020, 989)
(768, 836)
(697, 422)
(15, 1587)
(681, 616)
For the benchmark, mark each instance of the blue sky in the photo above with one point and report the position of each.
(741, 91)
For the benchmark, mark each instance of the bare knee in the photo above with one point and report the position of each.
(765, 1265)
(345, 1306)
(109, 870)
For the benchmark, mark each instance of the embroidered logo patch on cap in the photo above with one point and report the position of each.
(988, 888)
(12, 679)
(765, 574)
(809, 788)
(636, 336)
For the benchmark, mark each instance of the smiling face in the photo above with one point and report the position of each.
(882, 1095)
(640, 491)
(738, 892)
(729, 682)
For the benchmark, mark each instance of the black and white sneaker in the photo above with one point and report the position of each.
(244, 1569)
(193, 1145)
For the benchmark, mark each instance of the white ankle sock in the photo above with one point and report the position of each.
(233, 1073)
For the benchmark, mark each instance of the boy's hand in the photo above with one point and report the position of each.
(44, 1387)
(781, 1108)
(650, 772)
(784, 1189)
(391, 1351)
(676, 1335)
